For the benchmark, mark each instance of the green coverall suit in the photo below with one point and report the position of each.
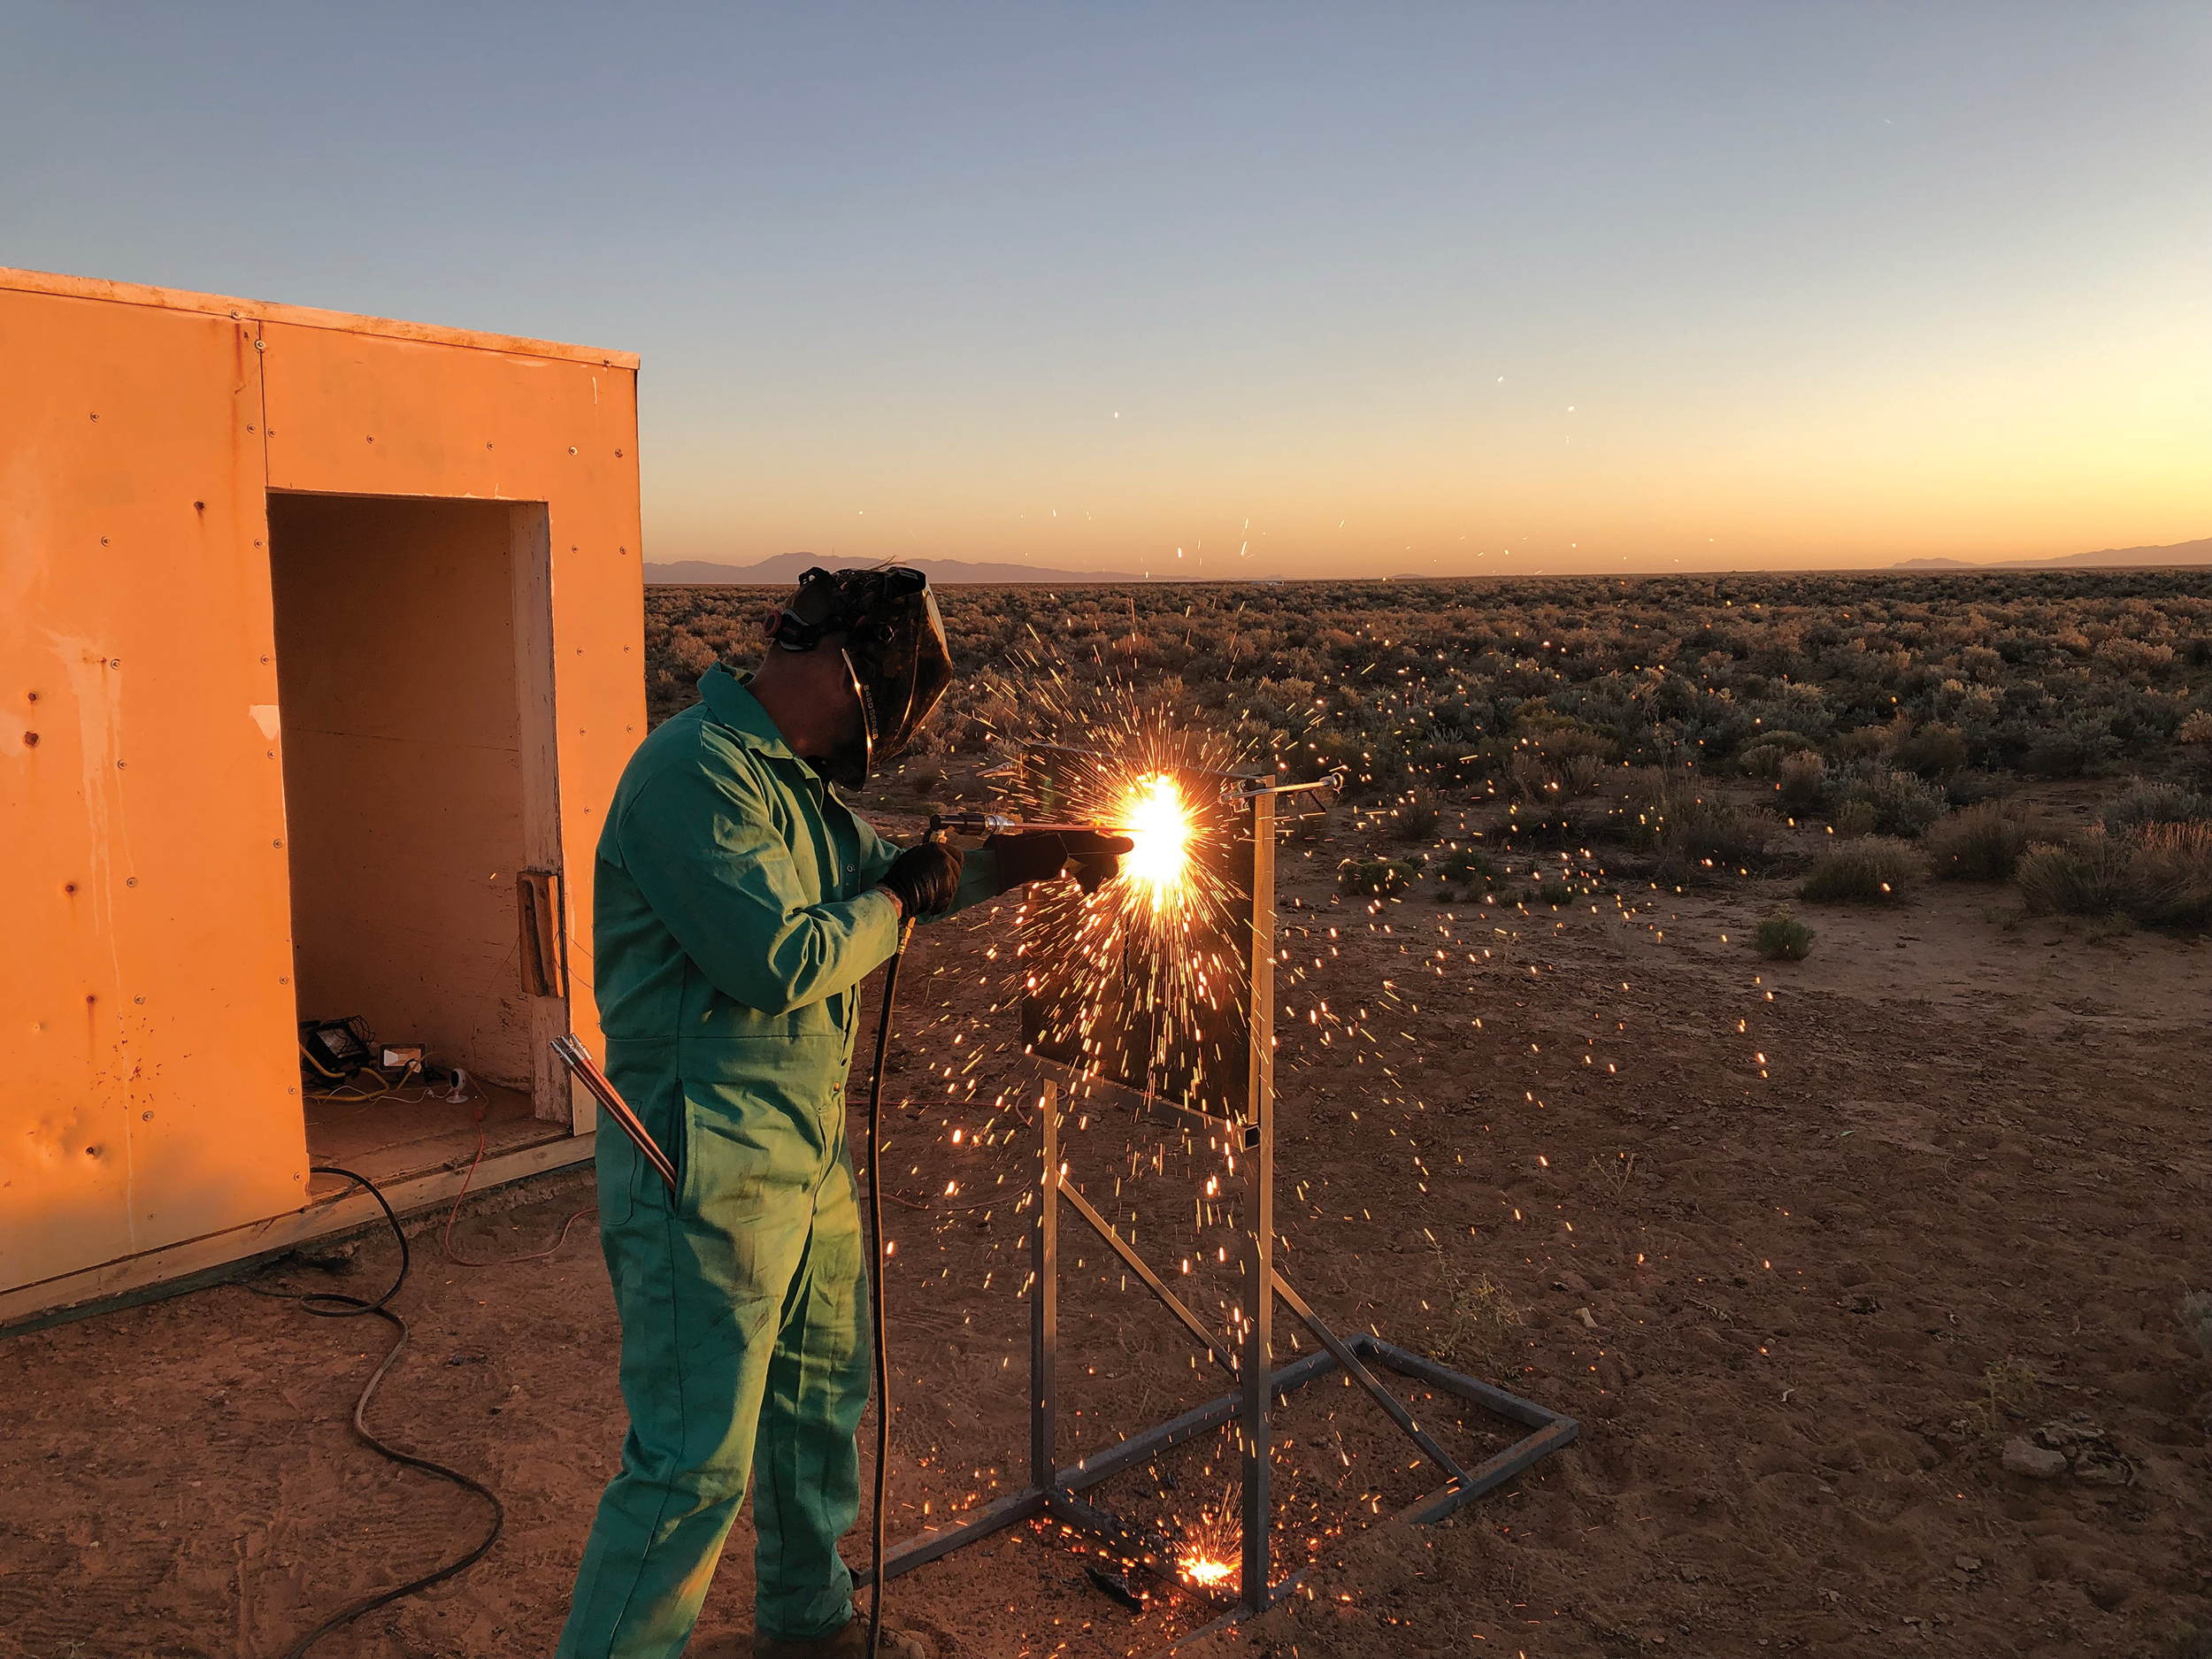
(735, 916)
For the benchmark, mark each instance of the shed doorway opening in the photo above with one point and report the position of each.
(414, 675)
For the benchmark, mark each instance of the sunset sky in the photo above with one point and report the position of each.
(1296, 290)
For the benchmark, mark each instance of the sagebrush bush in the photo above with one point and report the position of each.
(1854, 818)
(1763, 755)
(2141, 803)
(1374, 876)
(2195, 729)
(1976, 843)
(1690, 834)
(1781, 937)
(1414, 821)
(1932, 751)
(1900, 803)
(1874, 870)
(2159, 875)
(1801, 778)
(1470, 864)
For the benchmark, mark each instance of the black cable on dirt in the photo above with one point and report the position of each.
(875, 1292)
(332, 1305)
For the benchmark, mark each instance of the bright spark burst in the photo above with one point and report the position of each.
(1142, 981)
(1154, 814)
(1206, 1570)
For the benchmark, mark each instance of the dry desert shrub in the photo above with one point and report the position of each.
(1366, 876)
(2143, 803)
(2157, 876)
(1781, 937)
(1483, 1319)
(1932, 751)
(1533, 778)
(1976, 843)
(1414, 821)
(1583, 774)
(1802, 778)
(1895, 802)
(2008, 1390)
(1763, 755)
(1874, 870)
(2195, 729)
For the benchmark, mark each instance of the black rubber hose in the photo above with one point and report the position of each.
(334, 1306)
(875, 1291)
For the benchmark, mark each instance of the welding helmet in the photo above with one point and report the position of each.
(886, 623)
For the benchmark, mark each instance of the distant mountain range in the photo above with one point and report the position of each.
(2179, 553)
(787, 568)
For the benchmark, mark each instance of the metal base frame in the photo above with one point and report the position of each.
(1056, 1491)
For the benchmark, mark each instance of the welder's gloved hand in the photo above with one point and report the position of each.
(1024, 858)
(925, 879)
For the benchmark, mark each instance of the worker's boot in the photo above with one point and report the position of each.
(849, 1643)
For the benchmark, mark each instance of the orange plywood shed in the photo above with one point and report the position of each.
(321, 639)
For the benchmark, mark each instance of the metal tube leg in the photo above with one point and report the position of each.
(1044, 1303)
(1259, 1216)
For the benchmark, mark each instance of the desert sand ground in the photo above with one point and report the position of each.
(1802, 1246)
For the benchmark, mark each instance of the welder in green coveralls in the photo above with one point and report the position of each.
(739, 905)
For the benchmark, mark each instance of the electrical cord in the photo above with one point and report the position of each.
(875, 1290)
(324, 1304)
(453, 1215)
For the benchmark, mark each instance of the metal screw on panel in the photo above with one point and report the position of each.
(30, 740)
(120, 764)
(104, 540)
(145, 1117)
(284, 978)
(68, 886)
(130, 881)
(571, 449)
(96, 417)
(276, 844)
(618, 455)
(260, 345)
(140, 1000)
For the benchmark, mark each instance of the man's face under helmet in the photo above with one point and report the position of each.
(886, 626)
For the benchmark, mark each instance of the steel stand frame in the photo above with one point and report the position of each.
(1258, 1383)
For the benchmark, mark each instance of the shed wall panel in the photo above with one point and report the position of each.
(151, 1093)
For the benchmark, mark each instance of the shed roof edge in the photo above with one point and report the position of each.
(304, 317)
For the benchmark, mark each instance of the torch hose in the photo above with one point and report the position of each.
(875, 1288)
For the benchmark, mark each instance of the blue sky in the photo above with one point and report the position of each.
(1291, 289)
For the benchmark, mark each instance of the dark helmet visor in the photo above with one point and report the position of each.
(894, 641)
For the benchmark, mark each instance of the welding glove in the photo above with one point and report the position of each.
(1025, 858)
(925, 879)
